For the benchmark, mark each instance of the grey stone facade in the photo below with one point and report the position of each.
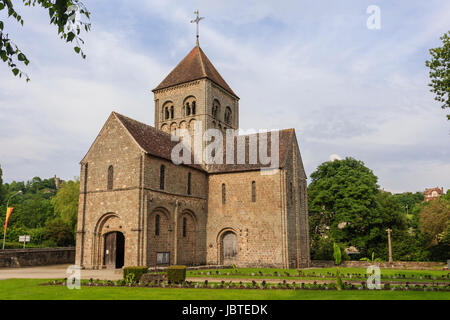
(265, 216)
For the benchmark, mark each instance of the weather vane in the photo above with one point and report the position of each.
(197, 20)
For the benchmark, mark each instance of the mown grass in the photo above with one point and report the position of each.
(31, 289)
(322, 273)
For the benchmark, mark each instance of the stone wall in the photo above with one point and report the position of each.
(396, 264)
(17, 258)
(258, 225)
(102, 211)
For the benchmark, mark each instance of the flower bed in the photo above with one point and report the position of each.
(301, 274)
(263, 285)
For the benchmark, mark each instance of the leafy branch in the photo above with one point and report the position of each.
(63, 13)
(440, 72)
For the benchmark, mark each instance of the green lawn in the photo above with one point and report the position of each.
(30, 289)
(313, 274)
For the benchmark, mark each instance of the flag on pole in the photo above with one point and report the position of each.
(8, 214)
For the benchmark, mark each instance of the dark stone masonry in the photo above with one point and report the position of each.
(17, 258)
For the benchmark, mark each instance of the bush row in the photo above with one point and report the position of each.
(324, 275)
(254, 285)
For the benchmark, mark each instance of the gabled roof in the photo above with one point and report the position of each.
(158, 143)
(153, 141)
(194, 66)
(285, 144)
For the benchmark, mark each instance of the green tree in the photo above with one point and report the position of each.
(434, 219)
(58, 232)
(408, 200)
(347, 206)
(343, 193)
(34, 210)
(440, 72)
(66, 202)
(62, 14)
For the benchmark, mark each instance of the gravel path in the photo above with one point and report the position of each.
(56, 272)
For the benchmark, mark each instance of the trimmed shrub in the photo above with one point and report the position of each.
(146, 278)
(176, 274)
(136, 271)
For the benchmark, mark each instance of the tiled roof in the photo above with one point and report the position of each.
(194, 66)
(158, 143)
(153, 141)
(285, 143)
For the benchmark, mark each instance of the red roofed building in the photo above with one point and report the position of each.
(432, 193)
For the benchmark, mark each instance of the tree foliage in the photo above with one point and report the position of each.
(59, 232)
(62, 13)
(66, 202)
(49, 222)
(434, 219)
(346, 206)
(342, 194)
(440, 72)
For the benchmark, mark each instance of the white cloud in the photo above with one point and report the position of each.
(335, 157)
(312, 67)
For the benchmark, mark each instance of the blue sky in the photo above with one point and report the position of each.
(309, 65)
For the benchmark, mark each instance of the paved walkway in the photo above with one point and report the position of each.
(60, 272)
(56, 272)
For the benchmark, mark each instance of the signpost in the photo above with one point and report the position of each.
(24, 239)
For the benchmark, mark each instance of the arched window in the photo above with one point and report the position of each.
(110, 177)
(189, 104)
(184, 227)
(215, 108)
(171, 112)
(253, 191)
(223, 193)
(166, 113)
(227, 117)
(291, 192)
(188, 109)
(189, 183)
(157, 225)
(161, 177)
(85, 176)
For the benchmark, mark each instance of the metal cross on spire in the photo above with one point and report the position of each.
(197, 20)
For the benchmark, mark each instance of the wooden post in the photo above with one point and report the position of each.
(389, 244)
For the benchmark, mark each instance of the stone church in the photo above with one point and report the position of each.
(137, 207)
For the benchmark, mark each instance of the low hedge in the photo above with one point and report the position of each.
(176, 274)
(137, 271)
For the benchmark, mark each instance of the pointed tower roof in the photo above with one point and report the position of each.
(194, 66)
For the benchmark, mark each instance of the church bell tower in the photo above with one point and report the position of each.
(195, 91)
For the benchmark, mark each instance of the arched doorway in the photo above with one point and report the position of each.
(229, 248)
(114, 250)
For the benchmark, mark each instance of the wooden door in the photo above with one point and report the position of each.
(110, 250)
(229, 248)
